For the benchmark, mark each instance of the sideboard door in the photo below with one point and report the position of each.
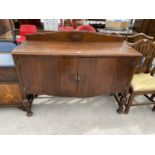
(99, 76)
(49, 75)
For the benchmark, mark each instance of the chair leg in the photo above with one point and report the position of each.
(153, 109)
(129, 103)
(152, 96)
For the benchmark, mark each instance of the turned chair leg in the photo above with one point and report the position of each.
(129, 103)
(153, 109)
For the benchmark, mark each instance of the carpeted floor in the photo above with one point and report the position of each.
(95, 115)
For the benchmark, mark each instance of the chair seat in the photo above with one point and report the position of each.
(143, 82)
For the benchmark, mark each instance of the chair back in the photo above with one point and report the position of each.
(153, 65)
(86, 28)
(147, 49)
(27, 29)
(139, 36)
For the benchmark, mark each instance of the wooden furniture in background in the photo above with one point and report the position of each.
(6, 30)
(81, 64)
(10, 94)
(4, 26)
(146, 26)
(147, 58)
(138, 36)
(143, 82)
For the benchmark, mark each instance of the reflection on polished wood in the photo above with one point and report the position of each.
(81, 64)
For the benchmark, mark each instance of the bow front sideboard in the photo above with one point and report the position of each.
(73, 64)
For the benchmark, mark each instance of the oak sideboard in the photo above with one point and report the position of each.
(74, 64)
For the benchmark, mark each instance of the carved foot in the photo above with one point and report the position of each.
(27, 105)
(30, 98)
(29, 113)
(120, 111)
(122, 102)
(153, 109)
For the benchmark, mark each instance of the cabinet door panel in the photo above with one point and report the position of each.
(103, 75)
(49, 75)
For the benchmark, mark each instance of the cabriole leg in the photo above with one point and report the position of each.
(122, 102)
(27, 104)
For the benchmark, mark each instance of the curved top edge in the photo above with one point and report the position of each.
(74, 36)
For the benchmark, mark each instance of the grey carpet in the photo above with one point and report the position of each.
(96, 115)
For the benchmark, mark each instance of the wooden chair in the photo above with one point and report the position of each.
(139, 36)
(143, 82)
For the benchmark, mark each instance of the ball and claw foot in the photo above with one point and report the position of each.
(29, 113)
(122, 103)
(120, 111)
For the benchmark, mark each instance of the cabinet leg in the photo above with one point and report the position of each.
(122, 102)
(27, 105)
(29, 113)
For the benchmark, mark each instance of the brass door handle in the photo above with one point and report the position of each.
(77, 78)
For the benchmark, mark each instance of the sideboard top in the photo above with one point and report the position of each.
(75, 44)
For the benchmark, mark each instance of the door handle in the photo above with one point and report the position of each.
(77, 78)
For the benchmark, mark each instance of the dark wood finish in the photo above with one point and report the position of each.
(78, 64)
(146, 26)
(99, 75)
(74, 36)
(145, 47)
(76, 44)
(60, 81)
(121, 99)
